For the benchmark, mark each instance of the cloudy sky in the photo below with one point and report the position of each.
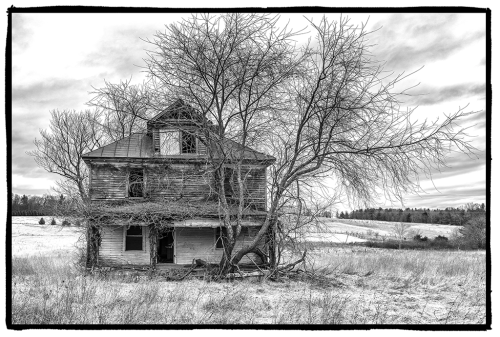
(58, 58)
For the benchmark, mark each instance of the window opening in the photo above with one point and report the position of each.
(169, 142)
(219, 233)
(188, 144)
(133, 238)
(136, 183)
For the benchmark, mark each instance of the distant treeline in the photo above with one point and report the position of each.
(449, 215)
(33, 205)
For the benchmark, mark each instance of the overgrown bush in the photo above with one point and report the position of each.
(428, 244)
(473, 233)
(53, 222)
(419, 238)
(66, 223)
(41, 222)
(440, 238)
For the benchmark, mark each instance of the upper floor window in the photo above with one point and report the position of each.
(188, 144)
(174, 142)
(169, 142)
(136, 183)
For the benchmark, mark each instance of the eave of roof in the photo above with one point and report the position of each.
(137, 145)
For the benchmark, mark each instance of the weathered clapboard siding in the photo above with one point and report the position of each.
(192, 181)
(112, 248)
(199, 243)
(174, 180)
(254, 186)
(108, 182)
(190, 243)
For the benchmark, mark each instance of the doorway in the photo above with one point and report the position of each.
(166, 248)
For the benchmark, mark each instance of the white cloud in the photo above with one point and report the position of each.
(24, 182)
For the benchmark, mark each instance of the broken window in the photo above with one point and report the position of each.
(188, 144)
(169, 142)
(133, 238)
(136, 183)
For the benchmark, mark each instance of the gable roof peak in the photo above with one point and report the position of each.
(177, 110)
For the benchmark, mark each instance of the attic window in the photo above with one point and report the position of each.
(136, 183)
(133, 238)
(188, 144)
(169, 142)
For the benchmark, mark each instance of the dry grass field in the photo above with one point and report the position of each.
(374, 286)
(384, 227)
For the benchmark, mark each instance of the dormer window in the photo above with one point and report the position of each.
(188, 144)
(175, 142)
(169, 142)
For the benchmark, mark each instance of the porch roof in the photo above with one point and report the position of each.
(203, 223)
(182, 213)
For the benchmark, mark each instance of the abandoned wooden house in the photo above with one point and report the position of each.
(153, 196)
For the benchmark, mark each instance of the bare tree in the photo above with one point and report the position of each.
(325, 110)
(230, 68)
(60, 148)
(401, 230)
(125, 108)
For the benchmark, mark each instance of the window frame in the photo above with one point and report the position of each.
(163, 149)
(194, 138)
(143, 182)
(143, 243)
(218, 237)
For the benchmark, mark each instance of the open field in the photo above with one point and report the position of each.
(384, 227)
(374, 286)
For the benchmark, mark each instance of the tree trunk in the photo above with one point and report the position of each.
(226, 265)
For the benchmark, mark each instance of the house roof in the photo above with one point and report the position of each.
(140, 145)
(177, 110)
(137, 145)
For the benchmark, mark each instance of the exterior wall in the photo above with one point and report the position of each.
(190, 243)
(255, 186)
(108, 181)
(199, 243)
(172, 180)
(112, 248)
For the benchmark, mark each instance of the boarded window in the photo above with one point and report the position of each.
(169, 142)
(188, 144)
(219, 232)
(136, 183)
(133, 238)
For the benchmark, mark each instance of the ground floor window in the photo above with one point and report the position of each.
(219, 233)
(133, 238)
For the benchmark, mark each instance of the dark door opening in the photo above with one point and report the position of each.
(166, 248)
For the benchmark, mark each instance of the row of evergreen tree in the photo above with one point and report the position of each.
(450, 215)
(33, 205)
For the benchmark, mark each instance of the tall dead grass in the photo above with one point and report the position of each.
(379, 287)
(423, 267)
